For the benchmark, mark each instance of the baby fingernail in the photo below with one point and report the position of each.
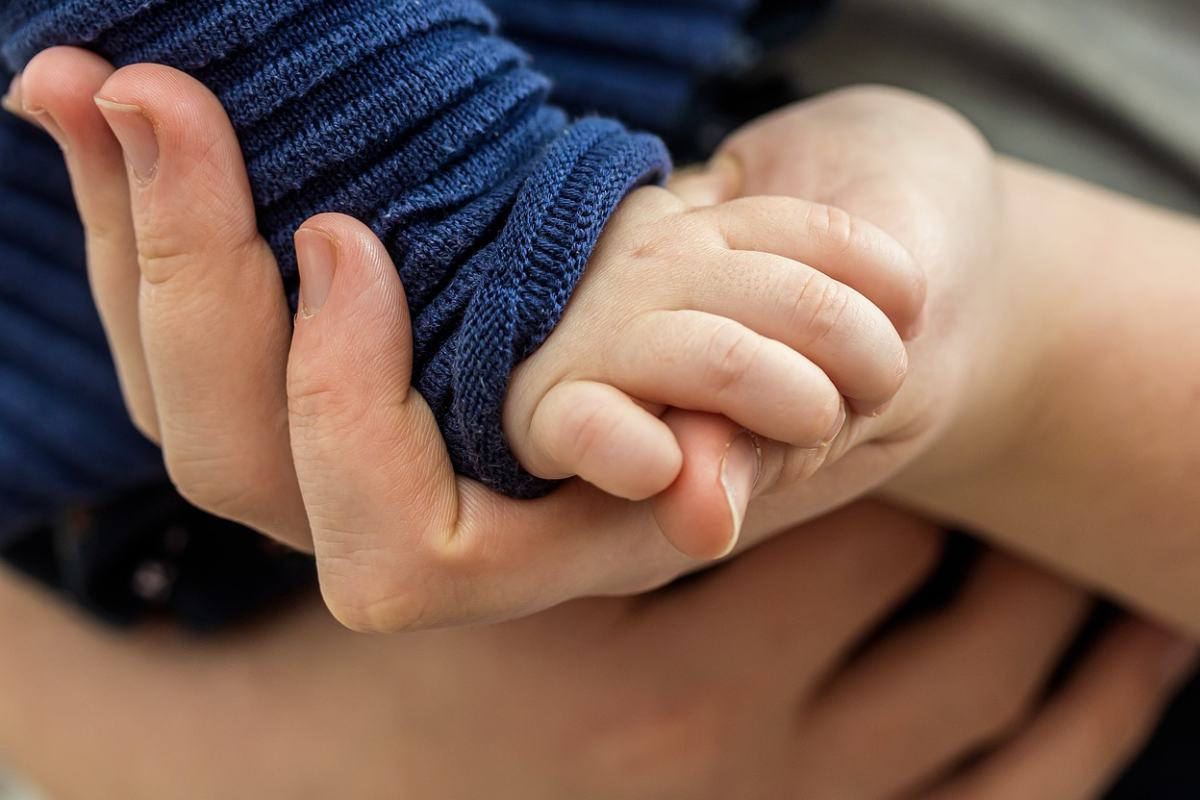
(837, 426)
(739, 474)
(916, 328)
(316, 257)
(136, 134)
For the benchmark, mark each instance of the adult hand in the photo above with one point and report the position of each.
(751, 681)
(330, 439)
(326, 447)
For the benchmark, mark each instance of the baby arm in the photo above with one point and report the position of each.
(1093, 468)
(1051, 399)
(784, 315)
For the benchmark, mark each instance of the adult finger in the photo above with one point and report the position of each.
(813, 593)
(12, 103)
(703, 511)
(57, 87)
(401, 541)
(932, 694)
(1089, 731)
(214, 320)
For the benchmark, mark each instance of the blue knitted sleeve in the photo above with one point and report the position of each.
(414, 116)
(639, 60)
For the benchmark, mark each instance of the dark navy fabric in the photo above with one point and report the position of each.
(64, 434)
(412, 115)
(638, 60)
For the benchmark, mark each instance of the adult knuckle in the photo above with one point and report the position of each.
(317, 407)
(106, 240)
(364, 585)
(371, 606)
(213, 483)
(161, 258)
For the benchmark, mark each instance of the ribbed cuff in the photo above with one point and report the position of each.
(541, 255)
(416, 118)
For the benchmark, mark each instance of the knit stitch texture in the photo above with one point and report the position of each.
(412, 115)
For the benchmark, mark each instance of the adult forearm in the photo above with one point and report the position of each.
(1098, 469)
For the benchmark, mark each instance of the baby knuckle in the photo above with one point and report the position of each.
(836, 229)
(821, 307)
(732, 354)
(584, 429)
(801, 464)
(894, 370)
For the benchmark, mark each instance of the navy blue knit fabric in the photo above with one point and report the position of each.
(638, 60)
(411, 115)
(64, 433)
(416, 118)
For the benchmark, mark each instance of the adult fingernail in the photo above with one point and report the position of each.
(50, 125)
(12, 98)
(316, 256)
(740, 469)
(137, 136)
(1179, 661)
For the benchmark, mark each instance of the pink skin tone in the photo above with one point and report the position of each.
(736, 685)
(312, 434)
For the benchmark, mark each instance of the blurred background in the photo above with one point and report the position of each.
(1108, 90)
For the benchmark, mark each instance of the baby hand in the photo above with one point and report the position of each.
(784, 315)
